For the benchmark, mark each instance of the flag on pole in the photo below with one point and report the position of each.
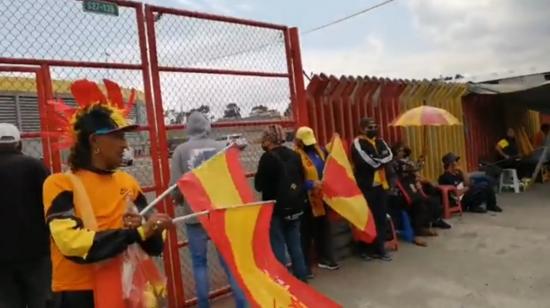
(241, 233)
(341, 193)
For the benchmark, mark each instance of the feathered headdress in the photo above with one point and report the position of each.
(94, 113)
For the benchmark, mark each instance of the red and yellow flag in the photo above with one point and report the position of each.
(241, 234)
(341, 193)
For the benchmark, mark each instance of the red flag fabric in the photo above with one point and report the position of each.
(241, 234)
(341, 193)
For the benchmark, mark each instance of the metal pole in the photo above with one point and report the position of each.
(237, 206)
(158, 199)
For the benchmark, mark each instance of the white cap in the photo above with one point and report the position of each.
(9, 133)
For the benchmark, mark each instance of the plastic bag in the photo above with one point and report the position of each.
(143, 286)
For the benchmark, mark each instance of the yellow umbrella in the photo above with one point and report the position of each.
(425, 116)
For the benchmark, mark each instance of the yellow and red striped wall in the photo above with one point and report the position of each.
(336, 104)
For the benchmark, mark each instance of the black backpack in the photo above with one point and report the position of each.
(291, 195)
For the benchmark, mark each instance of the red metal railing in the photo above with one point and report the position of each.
(293, 67)
(274, 67)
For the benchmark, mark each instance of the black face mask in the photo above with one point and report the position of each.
(371, 133)
(308, 148)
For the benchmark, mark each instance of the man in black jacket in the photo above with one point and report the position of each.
(280, 177)
(370, 155)
(25, 270)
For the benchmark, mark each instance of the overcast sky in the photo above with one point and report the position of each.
(407, 38)
(403, 39)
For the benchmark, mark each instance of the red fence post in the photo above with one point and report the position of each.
(177, 298)
(48, 91)
(302, 117)
(41, 98)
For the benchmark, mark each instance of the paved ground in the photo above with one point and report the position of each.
(484, 261)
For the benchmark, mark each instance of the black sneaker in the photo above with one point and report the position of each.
(441, 224)
(477, 209)
(366, 257)
(384, 257)
(495, 208)
(331, 266)
(310, 276)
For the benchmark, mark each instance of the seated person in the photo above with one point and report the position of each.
(424, 189)
(510, 156)
(473, 196)
(424, 211)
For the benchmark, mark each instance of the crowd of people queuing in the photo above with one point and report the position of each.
(59, 228)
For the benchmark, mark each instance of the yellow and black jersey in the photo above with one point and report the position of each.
(74, 248)
(509, 146)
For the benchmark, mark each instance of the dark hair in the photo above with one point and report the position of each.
(407, 151)
(80, 156)
(397, 146)
(9, 147)
(365, 122)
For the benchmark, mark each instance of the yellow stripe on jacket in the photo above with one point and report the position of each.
(380, 174)
(311, 174)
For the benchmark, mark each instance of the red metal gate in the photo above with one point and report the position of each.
(243, 74)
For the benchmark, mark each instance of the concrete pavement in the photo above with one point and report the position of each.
(485, 260)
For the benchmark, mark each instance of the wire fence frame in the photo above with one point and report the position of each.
(149, 70)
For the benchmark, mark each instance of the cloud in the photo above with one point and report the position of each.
(212, 6)
(453, 36)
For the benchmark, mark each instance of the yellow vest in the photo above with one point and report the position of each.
(311, 174)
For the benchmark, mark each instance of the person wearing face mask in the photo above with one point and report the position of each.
(280, 177)
(370, 155)
(315, 223)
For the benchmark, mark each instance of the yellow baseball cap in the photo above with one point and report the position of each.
(306, 135)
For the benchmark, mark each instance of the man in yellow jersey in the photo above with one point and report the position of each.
(511, 158)
(87, 211)
(370, 154)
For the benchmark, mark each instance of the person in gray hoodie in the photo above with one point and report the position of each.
(199, 148)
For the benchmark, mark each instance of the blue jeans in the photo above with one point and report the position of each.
(198, 244)
(285, 234)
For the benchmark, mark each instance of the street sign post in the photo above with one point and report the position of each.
(100, 7)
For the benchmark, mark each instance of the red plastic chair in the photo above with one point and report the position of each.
(449, 210)
(392, 244)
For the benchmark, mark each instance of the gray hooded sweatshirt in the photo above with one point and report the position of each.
(192, 153)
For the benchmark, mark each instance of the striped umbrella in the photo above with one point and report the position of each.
(425, 116)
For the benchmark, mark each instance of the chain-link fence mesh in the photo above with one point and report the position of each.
(60, 30)
(58, 33)
(236, 73)
(19, 106)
